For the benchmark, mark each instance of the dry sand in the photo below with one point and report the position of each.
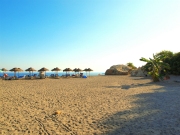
(101, 105)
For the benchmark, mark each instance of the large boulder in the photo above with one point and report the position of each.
(138, 73)
(118, 70)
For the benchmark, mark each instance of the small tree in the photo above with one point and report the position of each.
(131, 65)
(156, 67)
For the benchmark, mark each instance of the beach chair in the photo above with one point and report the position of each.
(81, 74)
(10, 78)
(6, 78)
(21, 77)
(67, 75)
(42, 76)
(84, 76)
(37, 77)
(56, 76)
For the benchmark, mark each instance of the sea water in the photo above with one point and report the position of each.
(49, 73)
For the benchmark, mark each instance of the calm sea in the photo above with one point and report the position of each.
(49, 73)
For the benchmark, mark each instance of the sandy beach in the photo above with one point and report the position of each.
(99, 105)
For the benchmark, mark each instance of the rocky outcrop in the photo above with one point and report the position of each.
(138, 73)
(118, 70)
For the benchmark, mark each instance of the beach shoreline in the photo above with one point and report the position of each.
(94, 105)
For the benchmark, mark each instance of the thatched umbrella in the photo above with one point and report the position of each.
(79, 70)
(85, 71)
(75, 70)
(4, 70)
(67, 70)
(43, 70)
(56, 69)
(88, 69)
(30, 69)
(16, 70)
(19, 70)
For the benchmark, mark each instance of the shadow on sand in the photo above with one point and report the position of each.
(156, 113)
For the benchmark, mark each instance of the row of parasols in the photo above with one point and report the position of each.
(45, 69)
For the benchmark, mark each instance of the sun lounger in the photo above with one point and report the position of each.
(21, 77)
(84, 76)
(52, 75)
(43, 76)
(81, 74)
(37, 77)
(9, 78)
(66, 75)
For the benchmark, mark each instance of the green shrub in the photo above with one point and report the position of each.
(175, 64)
(131, 65)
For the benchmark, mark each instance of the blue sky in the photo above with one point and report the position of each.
(86, 33)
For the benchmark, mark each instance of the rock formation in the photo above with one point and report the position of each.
(138, 73)
(118, 70)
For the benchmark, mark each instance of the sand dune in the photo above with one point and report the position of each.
(94, 106)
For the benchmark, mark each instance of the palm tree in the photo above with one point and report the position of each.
(156, 67)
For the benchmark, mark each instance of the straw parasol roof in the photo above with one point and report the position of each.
(20, 70)
(43, 69)
(56, 69)
(85, 70)
(67, 70)
(88, 69)
(16, 70)
(79, 70)
(4, 70)
(30, 69)
(75, 70)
